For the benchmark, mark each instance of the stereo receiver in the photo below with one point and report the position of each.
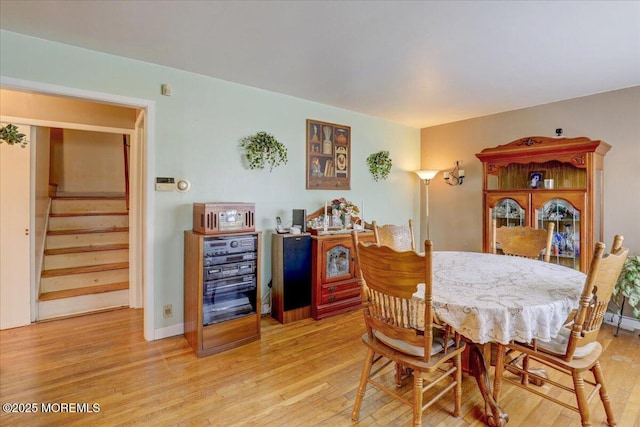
(219, 218)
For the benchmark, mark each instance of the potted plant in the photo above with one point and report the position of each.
(263, 148)
(628, 285)
(379, 165)
(11, 136)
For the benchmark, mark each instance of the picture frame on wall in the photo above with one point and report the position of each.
(536, 179)
(328, 156)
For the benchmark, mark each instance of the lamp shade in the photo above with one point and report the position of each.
(427, 174)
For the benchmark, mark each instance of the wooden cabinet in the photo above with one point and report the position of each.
(335, 287)
(537, 180)
(291, 280)
(221, 290)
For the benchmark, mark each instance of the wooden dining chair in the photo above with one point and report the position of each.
(575, 350)
(527, 242)
(398, 237)
(388, 281)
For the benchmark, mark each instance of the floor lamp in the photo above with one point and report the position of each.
(427, 175)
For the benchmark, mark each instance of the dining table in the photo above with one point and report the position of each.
(489, 298)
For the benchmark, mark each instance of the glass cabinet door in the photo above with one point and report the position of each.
(566, 215)
(337, 262)
(508, 213)
(505, 210)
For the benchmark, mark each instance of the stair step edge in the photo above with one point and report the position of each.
(87, 231)
(85, 269)
(84, 249)
(85, 214)
(90, 198)
(88, 290)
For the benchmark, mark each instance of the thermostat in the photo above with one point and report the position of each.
(183, 185)
(165, 184)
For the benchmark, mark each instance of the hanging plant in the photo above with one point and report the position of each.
(11, 136)
(262, 148)
(379, 165)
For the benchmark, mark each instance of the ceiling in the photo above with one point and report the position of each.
(418, 63)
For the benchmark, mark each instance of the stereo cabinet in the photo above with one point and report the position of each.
(291, 281)
(535, 181)
(221, 291)
(335, 287)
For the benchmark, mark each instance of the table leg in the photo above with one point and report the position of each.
(496, 417)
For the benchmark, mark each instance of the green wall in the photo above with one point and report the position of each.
(197, 134)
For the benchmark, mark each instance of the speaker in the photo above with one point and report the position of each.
(299, 219)
(297, 272)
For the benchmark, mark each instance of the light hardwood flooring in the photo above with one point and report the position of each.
(301, 374)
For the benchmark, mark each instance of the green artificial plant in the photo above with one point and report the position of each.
(263, 148)
(628, 284)
(379, 165)
(11, 136)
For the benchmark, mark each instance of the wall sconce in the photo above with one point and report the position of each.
(455, 176)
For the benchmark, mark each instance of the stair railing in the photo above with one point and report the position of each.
(125, 146)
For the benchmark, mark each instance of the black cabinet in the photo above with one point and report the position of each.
(291, 282)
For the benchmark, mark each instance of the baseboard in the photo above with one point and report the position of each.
(169, 331)
(628, 323)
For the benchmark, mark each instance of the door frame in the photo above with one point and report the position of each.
(141, 254)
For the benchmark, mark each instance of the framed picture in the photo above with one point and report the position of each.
(328, 156)
(536, 179)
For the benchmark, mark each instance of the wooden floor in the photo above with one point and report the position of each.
(301, 374)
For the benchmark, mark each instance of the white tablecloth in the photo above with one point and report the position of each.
(498, 298)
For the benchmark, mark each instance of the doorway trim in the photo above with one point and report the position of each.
(145, 150)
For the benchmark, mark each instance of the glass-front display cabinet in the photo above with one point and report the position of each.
(535, 181)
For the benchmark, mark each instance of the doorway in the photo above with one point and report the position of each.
(141, 207)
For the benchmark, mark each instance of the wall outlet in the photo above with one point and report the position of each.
(167, 311)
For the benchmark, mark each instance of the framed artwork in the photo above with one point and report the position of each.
(536, 179)
(328, 156)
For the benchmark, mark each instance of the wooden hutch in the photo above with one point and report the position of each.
(537, 180)
(334, 280)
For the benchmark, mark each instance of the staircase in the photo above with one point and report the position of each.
(86, 257)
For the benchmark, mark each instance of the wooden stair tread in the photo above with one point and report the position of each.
(89, 198)
(87, 231)
(85, 269)
(80, 249)
(72, 214)
(87, 290)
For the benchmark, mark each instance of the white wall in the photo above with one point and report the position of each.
(198, 131)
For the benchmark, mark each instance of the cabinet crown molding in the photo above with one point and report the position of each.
(542, 148)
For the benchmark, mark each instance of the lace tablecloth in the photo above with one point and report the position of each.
(497, 298)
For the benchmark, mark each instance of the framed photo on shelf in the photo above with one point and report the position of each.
(536, 179)
(328, 156)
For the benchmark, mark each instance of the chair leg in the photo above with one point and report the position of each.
(581, 396)
(499, 371)
(402, 373)
(418, 383)
(366, 371)
(604, 396)
(525, 367)
(458, 388)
